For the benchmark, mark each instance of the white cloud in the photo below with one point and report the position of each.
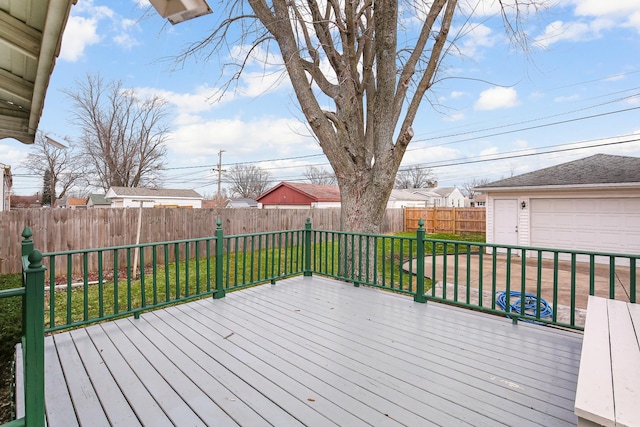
(278, 136)
(476, 36)
(454, 117)
(497, 98)
(571, 31)
(606, 8)
(11, 155)
(457, 94)
(490, 152)
(86, 27)
(569, 98)
(594, 17)
(79, 33)
(125, 38)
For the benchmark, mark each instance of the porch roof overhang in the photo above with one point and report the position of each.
(30, 38)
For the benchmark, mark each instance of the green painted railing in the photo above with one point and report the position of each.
(132, 279)
(480, 276)
(31, 411)
(135, 278)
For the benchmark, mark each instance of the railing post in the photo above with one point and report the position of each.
(219, 293)
(27, 248)
(33, 350)
(419, 296)
(307, 248)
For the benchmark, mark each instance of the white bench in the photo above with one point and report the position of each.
(608, 391)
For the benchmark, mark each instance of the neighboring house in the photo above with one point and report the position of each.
(441, 197)
(241, 202)
(295, 195)
(98, 201)
(76, 203)
(478, 201)
(71, 203)
(133, 197)
(591, 204)
(5, 187)
(407, 199)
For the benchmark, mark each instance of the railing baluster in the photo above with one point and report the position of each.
(128, 279)
(555, 286)
(186, 269)
(220, 292)
(508, 287)
(419, 295)
(494, 279)
(523, 281)
(632, 280)
(143, 293)
(612, 277)
(52, 291)
(100, 287)
(116, 308)
(154, 272)
(69, 288)
(573, 289)
(480, 276)
(166, 273)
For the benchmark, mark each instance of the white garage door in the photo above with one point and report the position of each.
(602, 225)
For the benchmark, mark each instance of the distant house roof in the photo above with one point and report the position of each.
(154, 192)
(315, 192)
(443, 191)
(594, 170)
(98, 199)
(242, 202)
(408, 195)
(76, 201)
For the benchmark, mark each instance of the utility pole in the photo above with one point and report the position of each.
(219, 170)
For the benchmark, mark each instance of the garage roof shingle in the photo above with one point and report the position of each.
(596, 169)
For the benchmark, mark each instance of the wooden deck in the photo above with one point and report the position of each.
(312, 351)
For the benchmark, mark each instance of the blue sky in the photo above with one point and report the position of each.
(578, 86)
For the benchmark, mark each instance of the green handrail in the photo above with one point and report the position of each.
(32, 294)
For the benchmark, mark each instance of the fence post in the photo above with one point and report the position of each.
(419, 296)
(33, 331)
(219, 293)
(307, 248)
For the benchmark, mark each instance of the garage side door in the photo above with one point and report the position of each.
(602, 225)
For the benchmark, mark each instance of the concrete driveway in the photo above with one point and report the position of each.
(621, 280)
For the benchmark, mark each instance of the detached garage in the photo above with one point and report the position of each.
(591, 204)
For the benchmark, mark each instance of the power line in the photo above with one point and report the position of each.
(529, 128)
(538, 119)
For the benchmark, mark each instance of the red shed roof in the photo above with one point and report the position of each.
(316, 192)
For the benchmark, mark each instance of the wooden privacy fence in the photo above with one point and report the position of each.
(446, 220)
(57, 230)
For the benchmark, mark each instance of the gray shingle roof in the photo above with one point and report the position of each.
(596, 169)
(99, 199)
(155, 192)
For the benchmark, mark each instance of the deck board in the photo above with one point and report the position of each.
(317, 352)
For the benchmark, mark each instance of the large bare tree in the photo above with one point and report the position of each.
(319, 176)
(58, 167)
(123, 136)
(346, 54)
(248, 181)
(469, 187)
(415, 177)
